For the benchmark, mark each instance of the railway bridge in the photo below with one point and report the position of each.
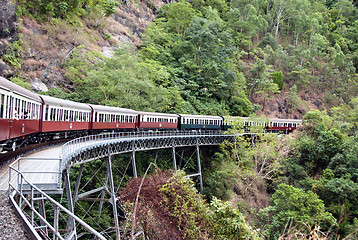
(37, 185)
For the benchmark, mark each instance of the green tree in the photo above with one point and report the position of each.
(302, 209)
(278, 79)
(229, 223)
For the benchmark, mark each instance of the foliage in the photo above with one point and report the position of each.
(122, 81)
(199, 53)
(229, 223)
(187, 208)
(21, 82)
(278, 79)
(169, 204)
(12, 54)
(292, 205)
(64, 8)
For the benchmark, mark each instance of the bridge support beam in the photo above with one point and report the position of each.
(134, 165)
(174, 159)
(42, 212)
(113, 199)
(75, 194)
(105, 188)
(71, 226)
(199, 168)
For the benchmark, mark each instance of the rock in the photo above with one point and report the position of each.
(8, 19)
(5, 70)
(107, 52)
(38, 86)
(11, 226)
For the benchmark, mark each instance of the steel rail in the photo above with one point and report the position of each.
(13, 190)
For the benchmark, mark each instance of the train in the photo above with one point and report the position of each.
(27, 117)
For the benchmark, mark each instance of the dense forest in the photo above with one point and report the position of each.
(276, 58)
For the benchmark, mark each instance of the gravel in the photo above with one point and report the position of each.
(10, 224)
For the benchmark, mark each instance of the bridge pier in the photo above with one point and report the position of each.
(134, 165)
(71, 226)
(113, 199)
(174, 159)
(199, 167)
(75, 194)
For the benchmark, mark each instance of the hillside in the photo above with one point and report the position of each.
(38, 48)
(310, 47)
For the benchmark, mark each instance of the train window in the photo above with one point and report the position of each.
(54, 117)
(51, 114)
(7, 114)
(57, 115)
(32, 110)
(2, 105)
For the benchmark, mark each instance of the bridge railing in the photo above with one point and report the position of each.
(45, 173)
(72, 147)
(29, 201)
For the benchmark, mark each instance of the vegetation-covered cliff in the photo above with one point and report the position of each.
(278, 58)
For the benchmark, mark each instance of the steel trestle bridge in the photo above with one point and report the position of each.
(29, 189)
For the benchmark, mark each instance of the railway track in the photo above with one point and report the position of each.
(8, 157)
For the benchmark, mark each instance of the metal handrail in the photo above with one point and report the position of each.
(14, 191)
(58, 169)
(74, 146)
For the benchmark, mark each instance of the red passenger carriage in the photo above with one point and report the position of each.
(153, 120)
(113, 118)
(20, 112)
(62, 116)
(283, 125)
